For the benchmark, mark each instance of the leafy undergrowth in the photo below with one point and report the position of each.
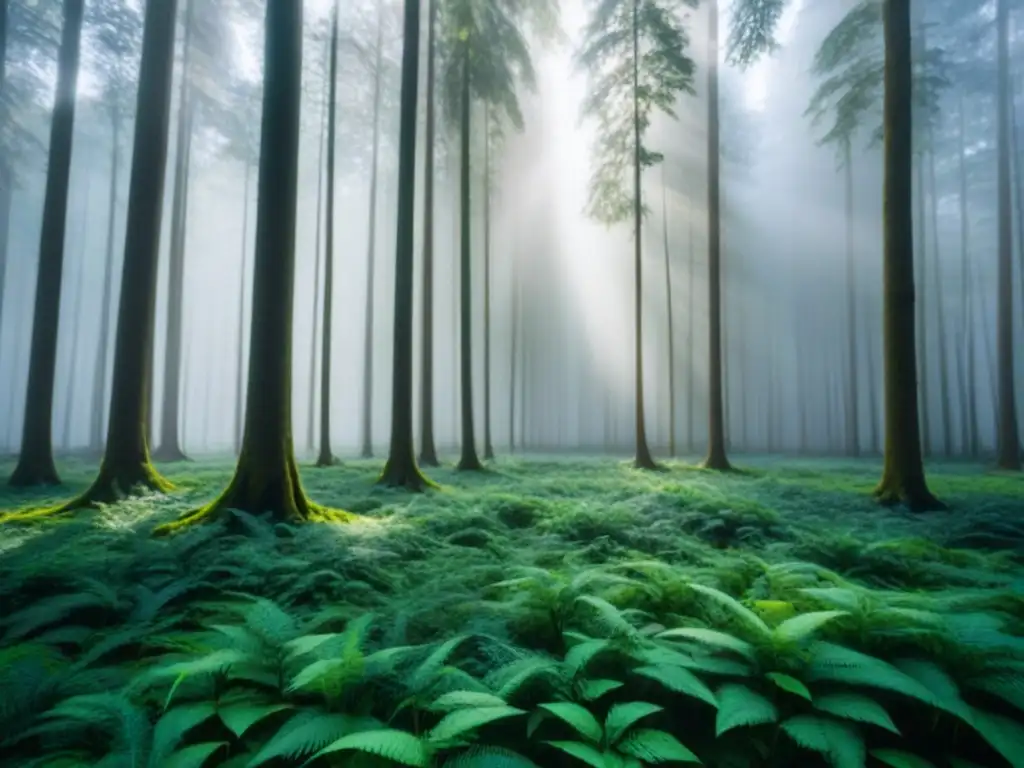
(548, 613)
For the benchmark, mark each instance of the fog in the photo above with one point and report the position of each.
(784, 223)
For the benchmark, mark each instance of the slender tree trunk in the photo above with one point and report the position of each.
(371, 251)
(853, 395)
(488, 446)
(691, 272)
(468, 459)
(876, 443)
(76, 314)
(903, 476)
(966, 292)
(101, 366)
(35, 462)
(716, 458)
(514, 348)
(6, 176)
(314, 352)
(428, 449)
(945, 401)
(240, 348)
(400, 469)
(326, 457)
(169, 448)
(921, 253)
(671, 327)
(266, 478)
(1008, 442)
(643, 458)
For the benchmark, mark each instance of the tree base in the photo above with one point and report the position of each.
(405, 474)
(167, 454)
(113, 484)
(915, 496)
(32, 473)
(717, 463)
(257, 493)
(647, 463)
(469, 463)
(428, 457)
(488, 453)
(328, 460)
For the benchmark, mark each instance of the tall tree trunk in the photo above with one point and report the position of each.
(6, 176)
(35, 462)
(371, 251)
(468, 459)
(76, 314)
(101, 366)
(1008, 442)
(716, 458)
(921, 254)
(966, 293)
(513, 350)
(400, 469)
(488, 446)
(326, 457)
(690, 335)
(314, 352)
(169, 448)
(903, 476)
(671, 326)
(945, 400)
(428, 448)
(853, 395)
(266, 478)
(876, 443)
(240, 348)
(643, 458)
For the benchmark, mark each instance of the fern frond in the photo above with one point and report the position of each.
(740, 706)
(397, 746)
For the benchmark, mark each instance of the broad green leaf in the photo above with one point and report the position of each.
(592, 690)
(740, 706)
(897, 758)
(464, 699)
(397, 746)
(622, 717)
(194, 756)
(857, 707)
(840, 743)
(584, 723)
(679, 680)
(456, 724)
(806, 624)
(789, 684)
(654, 746)
(585, 752)
(239, 717)
(710, 637)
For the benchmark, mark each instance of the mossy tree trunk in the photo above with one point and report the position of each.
(716, 458)
(903, 478)
(643, 458)
(326, 456)
(266, 478)
(400, 469)
(371, 249)
(35, 462)
(468, 459)
(169, 448)
(1008, 440)
(428, 448)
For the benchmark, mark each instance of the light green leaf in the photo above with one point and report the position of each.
(239, 717)
(397, 746)
(654, 746)
(679, 680)
(806, 624)
(840, 743)
(857, 707)
(710, 637)
(462, 721)
(194, 756)
(740, 706)
(585, 752)
(592, 690)
(464, 699)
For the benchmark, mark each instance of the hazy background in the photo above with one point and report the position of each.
(783, 231)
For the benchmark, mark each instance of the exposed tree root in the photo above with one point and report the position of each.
(257, 493)
(113, 484)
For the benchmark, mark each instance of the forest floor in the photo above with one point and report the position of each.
(439, 563)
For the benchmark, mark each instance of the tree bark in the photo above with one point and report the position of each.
(468, 459)
(903, 476)
(488, 446)
(76, 314)
(400, 470)
(716, 458)
(920, 296)
(945, 402)
(326, 457)
(691, 444)
(1008, 452)
(317, 282)
(428, 449)
(371, 252)
(966, 293)
(169, 447)
(35, 462)
(266, 478)
(671, 326)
